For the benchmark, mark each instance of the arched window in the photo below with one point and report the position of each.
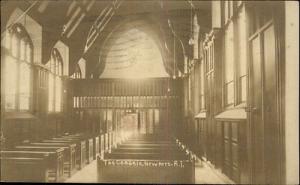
(55, 82)
(18, 69)
(77, 73)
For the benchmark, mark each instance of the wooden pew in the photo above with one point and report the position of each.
(90, 150)
(102, 145)
(77, 149)
(150, 155)
(145, 171)
(21, 169)
(111, 140)
(66, 157)
(53, 157)
(89, 145)
(72, 135)
(146, 159)
(125, 145)
(146, 137)
(53, 161)
(93, 143)
(70, 154)
(106, 142)
(149, 142)
(115, 138)
(96, 146)
(80, 149)
(147, 150)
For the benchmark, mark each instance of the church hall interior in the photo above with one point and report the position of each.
(149, 91)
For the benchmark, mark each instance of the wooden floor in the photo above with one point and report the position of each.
(203, 175)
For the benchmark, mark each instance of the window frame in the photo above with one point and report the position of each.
(77, 73)
(18, 32)
(237, 76)
(56, 72)
(202, 80)
(233, 80)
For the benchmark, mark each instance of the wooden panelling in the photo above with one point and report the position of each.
(235, 159)
(219, 145)
(234, 129)
(229, 153)
(122, 87)
(86, 102)
(227, 158)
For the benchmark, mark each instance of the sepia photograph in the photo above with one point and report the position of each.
(149, 91)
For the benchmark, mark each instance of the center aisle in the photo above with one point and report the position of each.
(87, 175)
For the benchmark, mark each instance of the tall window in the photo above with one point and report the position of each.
(242, 58)
(77, 73)
(18, 67)
(55, 82)
(197, 87)
(229, 66)
(235, 62)
(202, 80)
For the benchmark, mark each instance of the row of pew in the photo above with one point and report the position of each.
(54, 159)
(147, 159)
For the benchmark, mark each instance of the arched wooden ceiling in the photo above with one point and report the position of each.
(71, 21)
(144, 25)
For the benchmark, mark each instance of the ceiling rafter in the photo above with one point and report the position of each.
(32, 4)
(53, 15)
(100, 23)
(79, 12)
